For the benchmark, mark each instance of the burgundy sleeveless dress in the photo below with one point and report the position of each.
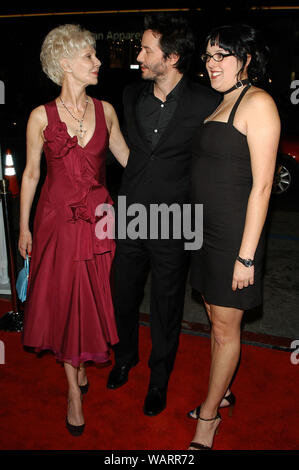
(69, 308)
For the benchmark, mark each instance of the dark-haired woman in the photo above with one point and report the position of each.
(233, 165)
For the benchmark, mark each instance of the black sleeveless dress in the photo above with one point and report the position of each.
(221, 181)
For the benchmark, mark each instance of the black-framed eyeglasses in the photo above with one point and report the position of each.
(218, 57)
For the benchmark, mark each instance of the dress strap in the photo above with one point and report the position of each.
(99, 111)
(234, 109)
(52, 113)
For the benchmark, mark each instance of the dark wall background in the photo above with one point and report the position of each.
(26, 86)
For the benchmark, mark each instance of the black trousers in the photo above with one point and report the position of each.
(168, 263)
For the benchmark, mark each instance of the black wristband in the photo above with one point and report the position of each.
(246, 262)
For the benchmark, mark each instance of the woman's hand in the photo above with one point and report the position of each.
(25, 243)
(242, 276)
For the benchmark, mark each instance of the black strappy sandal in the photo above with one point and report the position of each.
(194, 414)
(198, 445)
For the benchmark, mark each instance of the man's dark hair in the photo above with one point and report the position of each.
(175, 36)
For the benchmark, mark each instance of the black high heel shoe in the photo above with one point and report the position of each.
(198, 445)
(75, 431)
(84, 388)
(72, 429)
(231, 399)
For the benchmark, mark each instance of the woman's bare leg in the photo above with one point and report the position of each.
(82, 378)
(225, 353)
(208, 310)
(74, 413)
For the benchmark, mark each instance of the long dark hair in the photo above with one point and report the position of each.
(175, 36)
(240, 40)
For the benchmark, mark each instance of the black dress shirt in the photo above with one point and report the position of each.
(162, 174)
(154, 114)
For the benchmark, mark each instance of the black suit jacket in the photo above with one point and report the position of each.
(162, 175)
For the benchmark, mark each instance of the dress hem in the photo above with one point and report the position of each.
(228, 304)
(74, 361)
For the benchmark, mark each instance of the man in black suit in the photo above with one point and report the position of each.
(162, 113)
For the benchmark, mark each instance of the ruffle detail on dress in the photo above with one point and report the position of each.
(80, 210)
(88, 194)
(85, 208)
(58, 139)
(83, 214)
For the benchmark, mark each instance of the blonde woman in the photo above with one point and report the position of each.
(69, 309)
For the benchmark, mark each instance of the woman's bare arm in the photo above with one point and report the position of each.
(263, 132)
(34, 145)
(117, 143)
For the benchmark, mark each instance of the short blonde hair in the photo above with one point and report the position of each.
(63, 41)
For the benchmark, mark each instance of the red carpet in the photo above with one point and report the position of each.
(33, 402)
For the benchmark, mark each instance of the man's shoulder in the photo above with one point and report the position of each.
(134, 88)
(192, 87)
(199, 90)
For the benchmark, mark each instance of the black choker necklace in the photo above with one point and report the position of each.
(238, 85)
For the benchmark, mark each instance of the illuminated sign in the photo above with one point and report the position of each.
(118, 36)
